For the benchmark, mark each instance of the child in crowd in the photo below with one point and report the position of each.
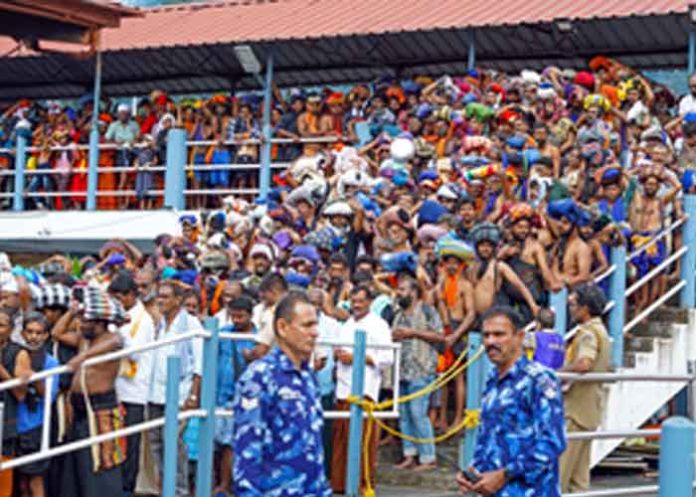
(146, 159)
(543, 344)
(32, 358)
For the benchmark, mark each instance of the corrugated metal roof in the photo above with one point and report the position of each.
(327, 41)
(264, 20)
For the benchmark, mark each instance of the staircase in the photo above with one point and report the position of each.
(664, 344)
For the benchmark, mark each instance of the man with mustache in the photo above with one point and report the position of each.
(646, 217)
(521, 433)
(489, 275)
(417, 326)
(526, 256)
(589, 351)
(571, 255)
(278, 418)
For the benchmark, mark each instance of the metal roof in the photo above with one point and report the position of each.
(190, 48)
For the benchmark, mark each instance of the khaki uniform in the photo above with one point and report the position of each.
(583, 403)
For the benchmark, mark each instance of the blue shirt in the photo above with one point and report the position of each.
(231, 364)
(522, 430)
(278, 424)
(29, 419)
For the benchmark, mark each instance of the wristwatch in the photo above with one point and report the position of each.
(506, 473)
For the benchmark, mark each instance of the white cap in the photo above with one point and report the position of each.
(123, 108)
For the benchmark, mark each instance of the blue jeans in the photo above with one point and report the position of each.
(414, 420)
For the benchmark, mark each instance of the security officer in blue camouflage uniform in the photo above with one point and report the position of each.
(278, 418)
(521, 435)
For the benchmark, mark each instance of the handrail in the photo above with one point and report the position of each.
(96, 439)
(659, 236)
(617, 492)
(609, 434)
(153, 169)
(627, 377)
(192, 143)
(655, 271)
(651, 308)
(111, 356)
(609, 271)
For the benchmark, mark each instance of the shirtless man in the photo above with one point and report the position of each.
(546, 148)
(93, 397)
(313, 123)
(645, 215)
(571, 255)
(526, 256)
(455, 302)
(489, 274)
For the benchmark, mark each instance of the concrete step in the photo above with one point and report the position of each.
(640, 344)
(670, 314)
(653, 329)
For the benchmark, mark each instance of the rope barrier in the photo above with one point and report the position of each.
(471, 417)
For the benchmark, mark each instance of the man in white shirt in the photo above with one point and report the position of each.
(272, 289)
(687, 105)
(175, 321)
(376, 360)
(133, 381)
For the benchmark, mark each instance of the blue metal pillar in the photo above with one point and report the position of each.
(692, 52)
(687, 298)
(474, 389)
(471, 60)
(617, 293)
(356, 418)
(206, 433)
(676, 457)
(265, 167)
(175, 171)
(20, 165)
(171, 426)
(93, 167)
(559, 304)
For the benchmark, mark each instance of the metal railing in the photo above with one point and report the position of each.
(175, 191)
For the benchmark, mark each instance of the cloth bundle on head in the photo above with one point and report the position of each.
(338, 208)
(520, 211)
(585, 79)
(262, 249)
(485, 232)
(608, 175)
(651, 170)
(396, 262)
(215, 260)
(430, 233)
(55, 295)
(306, 252)
(451, 247)
(324, 239)
(430, 212)
(98, 306)
(596, 100)
(569, 209)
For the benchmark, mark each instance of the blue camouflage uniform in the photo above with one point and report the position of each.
(278, 423)
(522, 430)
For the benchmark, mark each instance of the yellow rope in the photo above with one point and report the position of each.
(471, 417)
